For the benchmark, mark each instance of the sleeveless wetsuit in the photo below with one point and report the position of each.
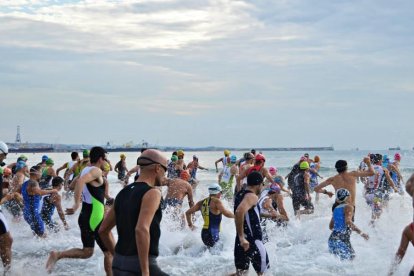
(339, 242)
(127, 208)
(121, 170)
(299, 193)
(31, 210)
(256, 254)
(210, 234)
(92, 213)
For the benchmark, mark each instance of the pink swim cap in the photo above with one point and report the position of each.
(397, 156)
(272, 170)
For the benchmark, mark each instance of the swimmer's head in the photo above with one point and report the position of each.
(272, 170)
(341, 195)
(317, 158)
(341, 166)
(304, 165)
(226, 152)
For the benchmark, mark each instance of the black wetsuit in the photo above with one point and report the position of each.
(127, 209)
(256, 254)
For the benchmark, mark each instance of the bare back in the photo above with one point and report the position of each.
(345, 180)
(178, 189)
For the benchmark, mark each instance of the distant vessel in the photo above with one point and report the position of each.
(30, 149)
(396, 148)
(128, 147)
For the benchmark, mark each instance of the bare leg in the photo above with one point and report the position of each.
(240, 272)
(6, 242)
(74, 253)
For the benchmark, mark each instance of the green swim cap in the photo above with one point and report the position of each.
(50, 161)
(304, 165)
(1, 170)
(174, 158)
(86, 153)
(23, 157)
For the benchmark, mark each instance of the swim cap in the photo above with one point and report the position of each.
(4, 148)
(341, 165)
(195, 157)
(304, 165)
(254, 178)
(253, 151)
(174, 158)
(20, 165)
(260, 157)
(185, 175)
(214, 189)
(274, 188)
(233, 159)
(122, 156)
(50, 162)
(44, 158)
(272, 170)
(106, 167)
(306, 155)
(7, 172)
(180, 153)
(85, 153)
(226, 152)
(316, 158)
(23, 158)
(397, 156)
(342, 194)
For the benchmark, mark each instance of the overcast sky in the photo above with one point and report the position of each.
(199, 73)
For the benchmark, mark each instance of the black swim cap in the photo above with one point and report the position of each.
(254, 178)
(341, 166)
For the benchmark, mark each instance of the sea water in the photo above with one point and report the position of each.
(299, 249)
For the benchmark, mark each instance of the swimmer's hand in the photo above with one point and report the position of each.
(367, 160)
(66, 226)
(330, 194)
(365, 236)
(192, 227)
(69, 211)
(245, 244)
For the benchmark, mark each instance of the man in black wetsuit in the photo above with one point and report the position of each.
(249, 239)
(137, 216)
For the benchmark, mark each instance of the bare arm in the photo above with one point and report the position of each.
(369, 172)
(190, 195)
(93, 174)
(218, 161)
(149, 205)
(227, 213)
(105, 234)
(64, 166)
(267, 205)
(389, 179)
(331, 224)
(322, 185)
(281, 208)
(349, 211)
(405, 240)
(58, 203)
(191, 211)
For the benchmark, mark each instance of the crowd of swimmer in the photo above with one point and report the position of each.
(255, 191)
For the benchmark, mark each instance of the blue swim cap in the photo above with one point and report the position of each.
(20, 165)
(44, 158)
(233, 159)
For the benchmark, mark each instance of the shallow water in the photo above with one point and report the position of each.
(299, 249)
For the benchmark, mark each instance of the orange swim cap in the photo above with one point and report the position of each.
(185, 175)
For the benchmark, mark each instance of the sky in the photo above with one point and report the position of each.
(257, 73)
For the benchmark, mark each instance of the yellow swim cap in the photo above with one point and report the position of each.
(122, 156)
(180, 153)
(106, 167)
(226, 152)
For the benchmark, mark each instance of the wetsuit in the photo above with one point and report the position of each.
(92, 213)
(373, 195)
(127, 208)
(291, 177)
(48, 208)
(299, 193)
(121, 170)
(31, 210)
(226, 182)
(253, 234)
(339, 242)
(210, 234)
